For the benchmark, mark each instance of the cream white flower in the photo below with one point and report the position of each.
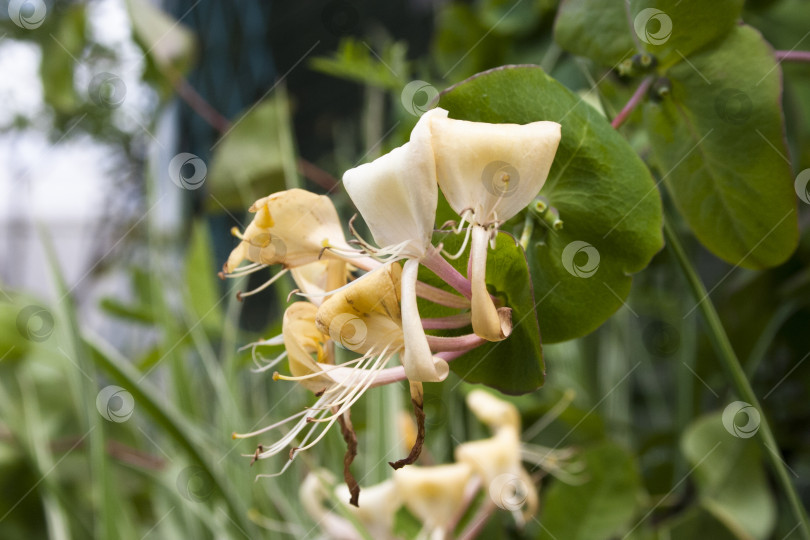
(498, 460)
(488, 173)
(398, 192)
(378, 507)
(397, 196)
(434, 495)
(290, 228)
(312, 365)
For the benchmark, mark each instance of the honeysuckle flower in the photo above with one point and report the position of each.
(497, 460)
(488, 173)
(314, 494)
(397, 196)
(312, 366)
(434, 495)
(317, 278)
(375, 515)
(378, 509)
(290, 228)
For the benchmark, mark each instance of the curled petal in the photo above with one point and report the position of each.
(291, 228)
(302, 339)
(397, 193)
(420, 365)
(487, 321)
(365, 315)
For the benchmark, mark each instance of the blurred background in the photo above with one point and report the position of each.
(134, 135)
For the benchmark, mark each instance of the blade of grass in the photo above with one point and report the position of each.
(148, 399)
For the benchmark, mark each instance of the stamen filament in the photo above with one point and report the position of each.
(241, 295)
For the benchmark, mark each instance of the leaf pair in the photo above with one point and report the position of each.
(714, 117)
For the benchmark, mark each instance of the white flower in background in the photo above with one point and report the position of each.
(434, 495)
(314, 495)
(488, 173)
(377, 510)
(497, 460)
(375, 515)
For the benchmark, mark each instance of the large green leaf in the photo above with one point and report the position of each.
(730, 477)
(609, 32)
(603, 192)
(514, 365)
(600, 507)
(719, 143)
(598, 30)
(691, 25)
(59, 54)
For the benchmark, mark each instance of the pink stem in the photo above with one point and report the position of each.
(633, 103)
(439, 266)
(795, 56)
(444, 323)
(457, 343)
(441, 297)
(397, 374)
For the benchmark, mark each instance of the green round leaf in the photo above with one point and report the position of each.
(718, 140)
(514, 365)
(606, 198)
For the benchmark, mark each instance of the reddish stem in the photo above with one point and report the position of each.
(794, 56)
(439, 266)
(456, 343)
(633, 103)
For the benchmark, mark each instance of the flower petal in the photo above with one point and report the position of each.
(397, 193)
(419, 363)
(487, 321)
(494, 169)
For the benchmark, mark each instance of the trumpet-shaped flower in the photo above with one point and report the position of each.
(489, 173)
(311, 365)
(397, 196)
(290, 228)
